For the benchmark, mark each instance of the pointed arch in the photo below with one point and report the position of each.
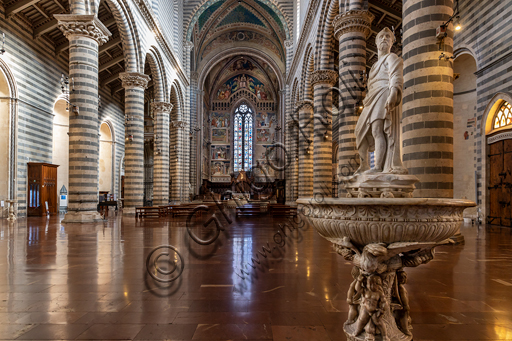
(325, 42)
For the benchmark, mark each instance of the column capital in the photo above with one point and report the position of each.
(189, 46)
(306, 104)
(132, 80)
(329, 77)
(288, 43)
(83, 25)
(163, 107)
(353, 21)
(194, 75)
(179, 124)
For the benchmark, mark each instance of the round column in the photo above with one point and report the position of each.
(427, 116)
(85, 34)
(134, 84)
(323, 81)
(351, 28)
(162, 111)
(305, 131)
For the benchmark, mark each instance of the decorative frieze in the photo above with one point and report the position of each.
(329, 77)
(353, 21)
(163, 107)
(83, 25)
(134, 80)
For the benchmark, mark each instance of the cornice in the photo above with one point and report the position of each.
(353, 21)
(83, 25)
(329, 77)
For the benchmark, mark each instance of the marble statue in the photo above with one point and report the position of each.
(378, 126)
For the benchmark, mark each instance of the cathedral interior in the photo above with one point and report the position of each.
(256, 170)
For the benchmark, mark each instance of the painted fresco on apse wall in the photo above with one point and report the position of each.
(220, 135)
(263, 149)
(243, 81)
(264, 135)
(265, 120)
(221, 152)
(220, 120)
(220, 168)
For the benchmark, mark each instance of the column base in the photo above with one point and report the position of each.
(81, 217)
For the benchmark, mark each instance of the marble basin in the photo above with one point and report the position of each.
(379, 220)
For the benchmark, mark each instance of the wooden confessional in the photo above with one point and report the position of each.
(42, 189)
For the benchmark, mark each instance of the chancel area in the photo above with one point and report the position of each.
(255, 170)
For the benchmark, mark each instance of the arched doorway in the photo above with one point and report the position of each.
(60, 151)
(498, 129)
(105, 160)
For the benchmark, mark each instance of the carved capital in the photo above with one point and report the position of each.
(189, 46)
(304, 105)
(353, 21)
(288, 43)
(162, 107)
(83, 25)
(328, 77)
(179, 124)
(132, 80)
(194, 76)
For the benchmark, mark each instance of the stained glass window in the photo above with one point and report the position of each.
(242, 142)
(503, 117)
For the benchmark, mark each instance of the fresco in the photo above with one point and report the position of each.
(265, 120)
(241, 15)
(220, 168)
(264, 135)
(242, 64)
(242, 81)
(264, 169)
(221, 152)
(220, 120)
(220, 135)
(263, 149)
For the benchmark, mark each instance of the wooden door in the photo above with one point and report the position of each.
(500, 183)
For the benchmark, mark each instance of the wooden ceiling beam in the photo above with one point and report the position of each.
(111, 63)
(49, 26)
(19, 6)
(109, 44)
(387, 10)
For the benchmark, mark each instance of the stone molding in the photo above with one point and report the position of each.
(83, 25)
(132, 80)
(353, 21)
(329, 77)
(499, 137)
(179, 124)
(306, 104)
(163, 107)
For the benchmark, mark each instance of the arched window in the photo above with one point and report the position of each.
(503, 116)
(242, 142)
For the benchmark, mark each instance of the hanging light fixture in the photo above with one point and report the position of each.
(2, 50)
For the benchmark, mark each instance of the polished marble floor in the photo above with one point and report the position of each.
(89, 282)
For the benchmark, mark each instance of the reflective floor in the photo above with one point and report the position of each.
(89, 282)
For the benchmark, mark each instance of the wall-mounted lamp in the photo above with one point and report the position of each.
(129, 138)
(76, 110)
(441, 31)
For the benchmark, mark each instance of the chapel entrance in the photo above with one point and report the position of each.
(500, 183)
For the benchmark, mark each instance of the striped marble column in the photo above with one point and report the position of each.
(177, 168)
(134, 84)
(85, 34)
(427, 119)
(305, 110)
(323, 81)
(162, 111)
(351, 28)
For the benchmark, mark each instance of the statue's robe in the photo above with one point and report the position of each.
(384, 75)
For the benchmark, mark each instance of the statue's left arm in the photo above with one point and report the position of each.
(396, 81)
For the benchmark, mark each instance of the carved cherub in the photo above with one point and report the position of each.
(402, 316)
(373, 306)
(354, 294)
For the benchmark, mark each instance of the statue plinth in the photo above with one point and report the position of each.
(380, 185)
(381, 237)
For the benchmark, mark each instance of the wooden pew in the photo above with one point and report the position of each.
(147, 212)
(248, 209)
(282, 210)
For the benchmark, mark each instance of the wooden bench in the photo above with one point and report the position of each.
(282, 210)
(148, 212)
(248, 209)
